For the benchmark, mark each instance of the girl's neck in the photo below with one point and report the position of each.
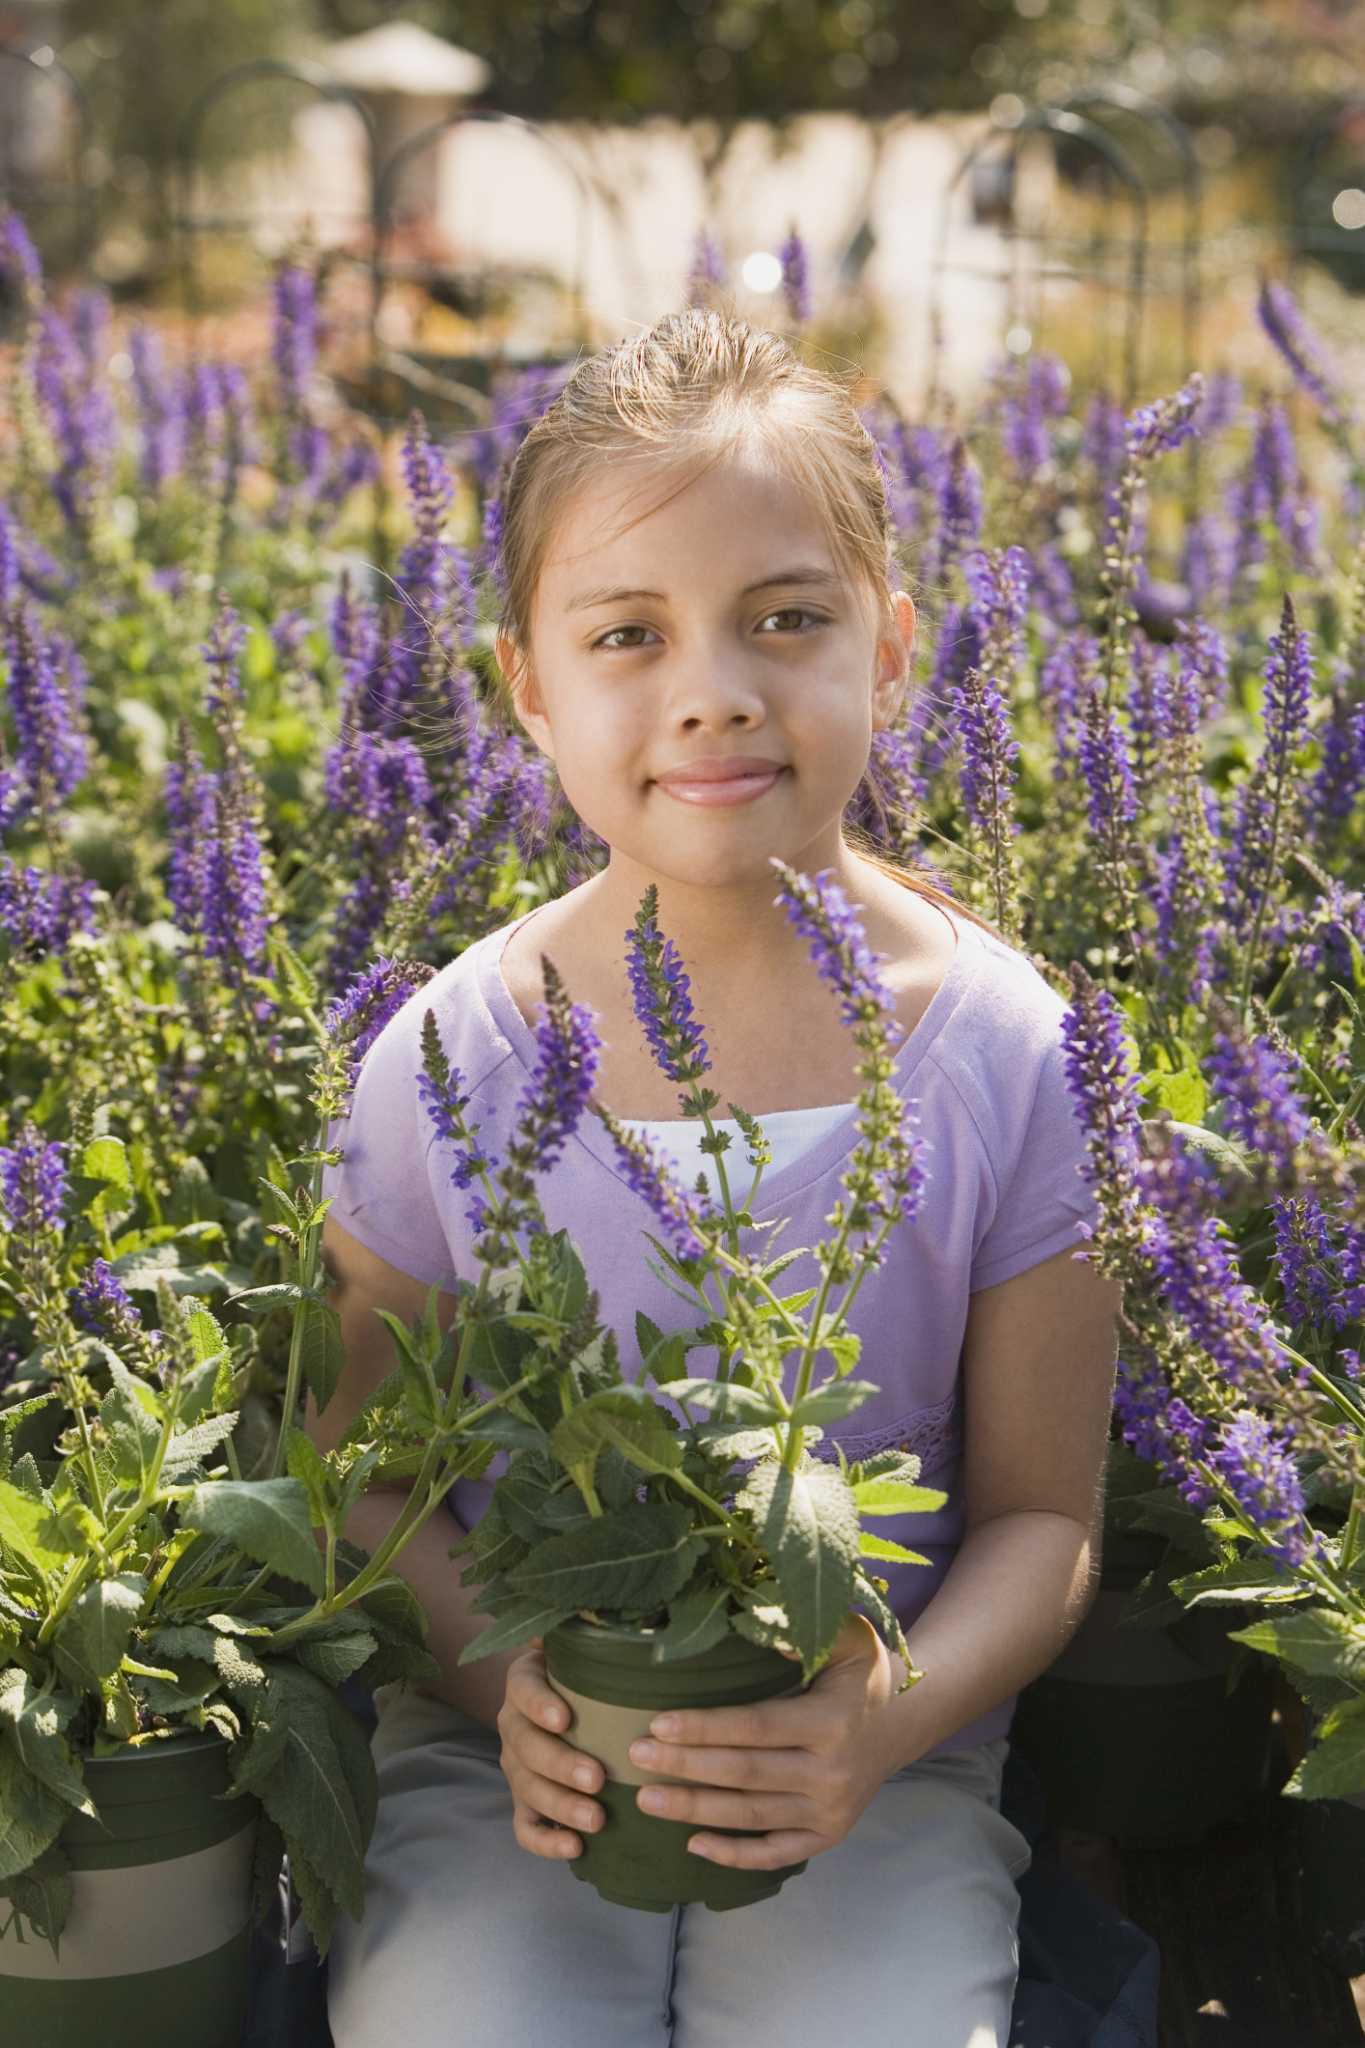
(722, 929)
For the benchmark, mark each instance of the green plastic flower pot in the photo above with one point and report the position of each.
(1132, 1731)
(614, 1690)
(1332, 1851)
(154, 1952)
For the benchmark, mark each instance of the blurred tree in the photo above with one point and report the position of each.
(142, 65)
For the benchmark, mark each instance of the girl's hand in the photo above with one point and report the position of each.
(800, 1769)
(548, 1777)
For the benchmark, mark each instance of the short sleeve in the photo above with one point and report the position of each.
(1044, 1199)
(382, 1191)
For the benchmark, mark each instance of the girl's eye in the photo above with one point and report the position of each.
(795, 611)
(788, 611)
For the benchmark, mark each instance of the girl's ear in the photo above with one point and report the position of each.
(522, 692)
(892, 672)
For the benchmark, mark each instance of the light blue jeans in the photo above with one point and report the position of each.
(904, 1934)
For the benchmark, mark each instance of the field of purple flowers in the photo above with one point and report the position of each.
(253, 790)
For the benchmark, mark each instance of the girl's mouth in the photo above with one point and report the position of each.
(729, 789)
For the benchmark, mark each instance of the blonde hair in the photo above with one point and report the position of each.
(690, 389)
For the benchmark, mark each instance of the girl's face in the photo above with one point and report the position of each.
(706, 683)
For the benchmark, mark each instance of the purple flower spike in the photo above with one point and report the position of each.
(796, 277)
(359, 1014)
(681, 1213)
(569, 1049)
(1155, 429)
(1257, 1101)
(52, 754)
(1257, 1467)
(662, 996)
(41, 911)
(33, 1183)
(818, 908)
(19, 257)
(708, 266)
(101, 1304)
(1300, 349)
(442, 1091)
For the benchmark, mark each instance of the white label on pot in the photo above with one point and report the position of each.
(146, 1916)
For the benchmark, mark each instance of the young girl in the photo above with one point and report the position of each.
(701, 633)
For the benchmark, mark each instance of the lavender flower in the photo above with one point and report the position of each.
(101, 1305)
(707, 267)
(1322, 1282)
(1257, 1102)
(19, 257)
(52, 755)
(682, 1214)
(1103, 1084)
(795, 277)
(41, 911)
(1267, 801)
(356, 1017)
(161, 409)
(662, 996)
(1158, 428)
(32, 1192)
(1301, 351)
(1257, 1466)
(1032, 393)
(443, 1092)
(1108, 770)
(568, 1050)
(959, 511)
(294, 333)
(818, 908)
(430, 491)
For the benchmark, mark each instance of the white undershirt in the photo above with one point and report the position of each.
(789, 1132)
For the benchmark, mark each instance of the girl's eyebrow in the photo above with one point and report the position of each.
(803, 573)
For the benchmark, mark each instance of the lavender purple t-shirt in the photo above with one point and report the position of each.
(984, 1068)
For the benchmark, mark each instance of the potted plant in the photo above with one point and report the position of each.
(172, 1635)
(1153, 1724)
(676, 1542)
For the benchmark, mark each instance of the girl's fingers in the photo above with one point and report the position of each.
(553, 1758)
(540, 1838)
(764, 1852)
(531, 1695)
(549, 1801)
(758, 1812)
(759, 1770)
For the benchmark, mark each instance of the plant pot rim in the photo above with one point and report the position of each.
(184, 1738)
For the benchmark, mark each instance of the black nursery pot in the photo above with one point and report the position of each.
(1132, 1731)
(154, 1953)
(613, 1690)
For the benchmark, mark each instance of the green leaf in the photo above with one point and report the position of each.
(31, 1816)
(206, 1336)
(726, 1401)
(334, 1658)
(134, 1432)
(635, 1561)
(320, 1790)
(893, 1553)
(190, 1447)
(696, 1621)
(260, 1301)
(625, 1420)
(42, 1895)
(28, 1528)
(90, 1639)
(321, 1353)
(808, 1523)
(1335, 1766)
(33, 1717)
(516, 1624)
(1318, 1640)
(894, 1497)
(106, 1159)
(828, 1404)
(305, 1463)
(1244, 1581)
(266, 1518)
